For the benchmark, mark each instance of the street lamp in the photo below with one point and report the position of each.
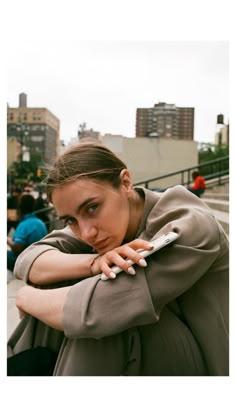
(23, 132)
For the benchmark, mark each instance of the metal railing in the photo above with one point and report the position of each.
(50, 218)
(216, 169)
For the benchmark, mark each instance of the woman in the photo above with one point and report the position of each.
(167, 315)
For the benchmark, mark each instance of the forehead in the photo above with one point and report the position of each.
(77, 191)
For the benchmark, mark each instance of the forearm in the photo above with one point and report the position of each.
(55, 266)
(45, 305)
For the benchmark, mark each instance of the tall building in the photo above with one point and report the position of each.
(165, 121)
(31, 131)
(222, 136)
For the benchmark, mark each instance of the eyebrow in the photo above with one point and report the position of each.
(80, 207)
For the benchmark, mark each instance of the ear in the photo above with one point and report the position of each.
(126, 180)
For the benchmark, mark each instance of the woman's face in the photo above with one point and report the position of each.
(96, 212)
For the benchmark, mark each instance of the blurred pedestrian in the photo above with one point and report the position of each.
(12, 205)
(198, 187)
(30, 229)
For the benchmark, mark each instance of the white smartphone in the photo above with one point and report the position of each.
(158, 243)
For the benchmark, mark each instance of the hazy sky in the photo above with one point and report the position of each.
(103, 82)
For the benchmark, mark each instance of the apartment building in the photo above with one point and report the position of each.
(165, 121)
(222, 136)
(31, 131)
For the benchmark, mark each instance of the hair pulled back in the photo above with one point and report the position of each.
(85, 160)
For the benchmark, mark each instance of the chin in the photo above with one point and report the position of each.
(108, 248)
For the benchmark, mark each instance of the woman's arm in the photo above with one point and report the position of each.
(58, 258)
(45, 305)
(55, 266)
(65, 260)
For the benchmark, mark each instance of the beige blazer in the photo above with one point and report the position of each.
(171, 318)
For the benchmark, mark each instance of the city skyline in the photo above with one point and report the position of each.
(102, 83)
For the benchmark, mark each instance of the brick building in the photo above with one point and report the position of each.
(165, 121)
(31, 131)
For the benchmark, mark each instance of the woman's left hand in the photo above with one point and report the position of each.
(118, 256)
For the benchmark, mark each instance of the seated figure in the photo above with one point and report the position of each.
(198, 187)
(29, 230)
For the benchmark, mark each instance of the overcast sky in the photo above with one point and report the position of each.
(103, 82)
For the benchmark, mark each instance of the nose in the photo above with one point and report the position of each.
(88, 232)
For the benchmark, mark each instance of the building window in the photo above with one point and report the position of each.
(37, 138)
(36, 116)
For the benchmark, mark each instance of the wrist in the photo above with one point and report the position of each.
(23, 296)
(94, 269)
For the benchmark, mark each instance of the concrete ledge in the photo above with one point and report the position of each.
(216, 196)
(221, 205)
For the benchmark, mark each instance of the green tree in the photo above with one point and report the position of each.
(209, 152)
(25, 171)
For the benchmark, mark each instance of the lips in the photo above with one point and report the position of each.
(100, 245)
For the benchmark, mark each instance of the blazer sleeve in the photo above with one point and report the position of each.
(61, 240)
(94, 309)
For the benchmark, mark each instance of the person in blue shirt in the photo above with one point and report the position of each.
(29, 230)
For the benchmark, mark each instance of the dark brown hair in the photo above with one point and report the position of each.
(26, 203)
(87, 160)
(195, 174)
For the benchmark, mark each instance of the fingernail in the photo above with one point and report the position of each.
(112, 275)
(142, 263)
(131, 271)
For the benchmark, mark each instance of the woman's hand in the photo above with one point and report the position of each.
(118, 257)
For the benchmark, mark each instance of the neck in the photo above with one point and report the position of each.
(136, 212)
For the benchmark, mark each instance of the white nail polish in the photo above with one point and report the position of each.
(131, 271)
(142, 263)
(112, 275)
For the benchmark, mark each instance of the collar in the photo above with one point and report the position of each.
(28, 216)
